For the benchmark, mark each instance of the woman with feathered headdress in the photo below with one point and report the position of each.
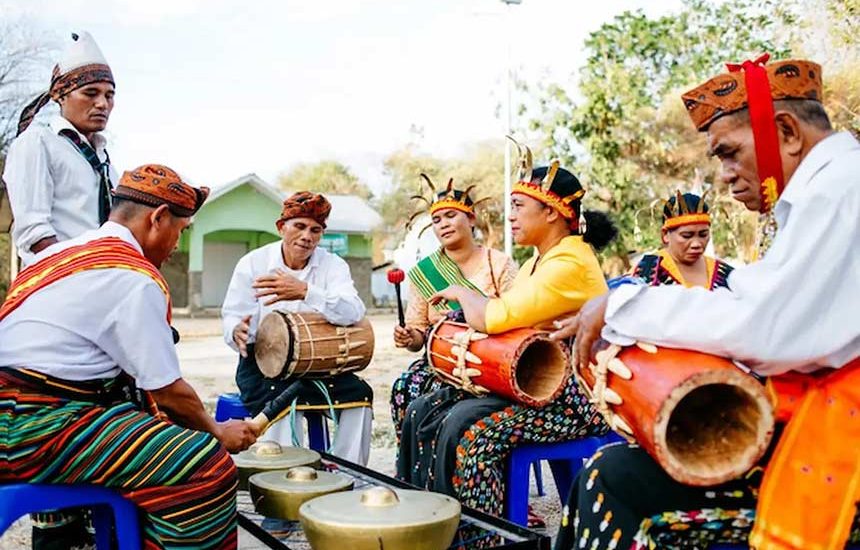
(458, 261)
(686, 233)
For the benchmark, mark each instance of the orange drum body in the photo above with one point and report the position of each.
(700, 416)
(306, 345)
(522, 365)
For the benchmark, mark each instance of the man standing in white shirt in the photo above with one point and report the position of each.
(59, 176)
(89, 374)
(791, 316)
(296, 275)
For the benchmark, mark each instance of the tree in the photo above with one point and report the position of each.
(327, 176)
(480, 165)
(637, 143)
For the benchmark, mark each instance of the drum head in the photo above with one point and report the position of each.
(274, 344)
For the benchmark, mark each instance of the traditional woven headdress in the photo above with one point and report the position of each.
(685, 209)
(558, 188)
(440, 200)
(755, 86)
(155, 184)
(82, 63)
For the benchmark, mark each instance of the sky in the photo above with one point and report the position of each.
(220, 88)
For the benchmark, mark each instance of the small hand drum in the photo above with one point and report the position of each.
(307, 345)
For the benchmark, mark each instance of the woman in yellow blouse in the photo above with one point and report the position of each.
(457, 444)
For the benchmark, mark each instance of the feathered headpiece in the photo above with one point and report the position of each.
(446, 198)
(549, 190)
(685, 209)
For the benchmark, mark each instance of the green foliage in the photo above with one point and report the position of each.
(481, 165)
(634, 142)
(327, 176)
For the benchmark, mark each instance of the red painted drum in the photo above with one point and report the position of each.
(703, 419)
(522, 365)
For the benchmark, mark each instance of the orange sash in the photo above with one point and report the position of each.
(810, 489)
(104, 253)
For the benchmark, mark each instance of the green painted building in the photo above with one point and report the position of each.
(239, 217)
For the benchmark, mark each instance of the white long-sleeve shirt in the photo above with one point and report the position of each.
(796, 309)
(93, 324)
(52, 188)
(330, 290)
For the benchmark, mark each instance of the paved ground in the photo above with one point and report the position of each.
(209, 365)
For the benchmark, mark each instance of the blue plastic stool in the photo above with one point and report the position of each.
(565, 460)
(229, 405)
(19, 499)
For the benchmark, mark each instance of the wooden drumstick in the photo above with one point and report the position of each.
(395, 277)
(271, 411)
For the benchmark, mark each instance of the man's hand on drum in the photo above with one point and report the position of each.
(281, 286)
(240, 335)
(585, 327)
(236, 435)
(407, 337)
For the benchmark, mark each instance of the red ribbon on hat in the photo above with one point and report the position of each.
(763, 123)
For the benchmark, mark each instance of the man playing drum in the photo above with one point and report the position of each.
(785, 317)
(455, 443)
(296, 275)
(85, 328)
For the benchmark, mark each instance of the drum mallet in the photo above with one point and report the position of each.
(395, 277)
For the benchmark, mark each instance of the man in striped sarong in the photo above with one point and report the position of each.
(87, 363)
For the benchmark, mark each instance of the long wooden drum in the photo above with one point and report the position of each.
(307, 345)
(522, 365)
(700, 416)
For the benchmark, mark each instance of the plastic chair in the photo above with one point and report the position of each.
(565, 460)
(109, 508)
(229, 405)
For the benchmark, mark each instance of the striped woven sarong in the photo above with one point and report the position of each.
(56, 431)
(437, 272)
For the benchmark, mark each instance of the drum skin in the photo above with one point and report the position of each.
(700, 416)
(522, 365)
(307, 345)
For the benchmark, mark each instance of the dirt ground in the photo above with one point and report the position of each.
(209, 365)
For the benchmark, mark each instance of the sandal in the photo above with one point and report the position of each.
(534, 520)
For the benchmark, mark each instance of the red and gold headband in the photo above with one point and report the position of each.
(540, 191)
(441, 200)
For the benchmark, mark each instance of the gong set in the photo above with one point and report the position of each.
(288, 483)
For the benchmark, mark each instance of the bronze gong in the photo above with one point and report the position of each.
(279, 494)
(265, 456)
(380, 518)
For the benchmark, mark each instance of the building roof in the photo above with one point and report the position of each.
(349, 213)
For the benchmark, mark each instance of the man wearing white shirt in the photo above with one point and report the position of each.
(88, 370)
(791, 313)
(59, 176)
(296, 275)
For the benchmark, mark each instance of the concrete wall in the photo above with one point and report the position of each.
(175, 271)
(362, 270)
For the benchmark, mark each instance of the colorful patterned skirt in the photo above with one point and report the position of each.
(458, 444)
(622, 484)
(415, 381)
(63, 432)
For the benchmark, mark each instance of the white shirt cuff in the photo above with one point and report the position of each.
(315, 298)
(618, 298)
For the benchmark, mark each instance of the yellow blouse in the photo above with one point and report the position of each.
(548, 287)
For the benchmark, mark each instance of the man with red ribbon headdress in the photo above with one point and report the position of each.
(59, 176)
(88, 363)
(790, 317)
